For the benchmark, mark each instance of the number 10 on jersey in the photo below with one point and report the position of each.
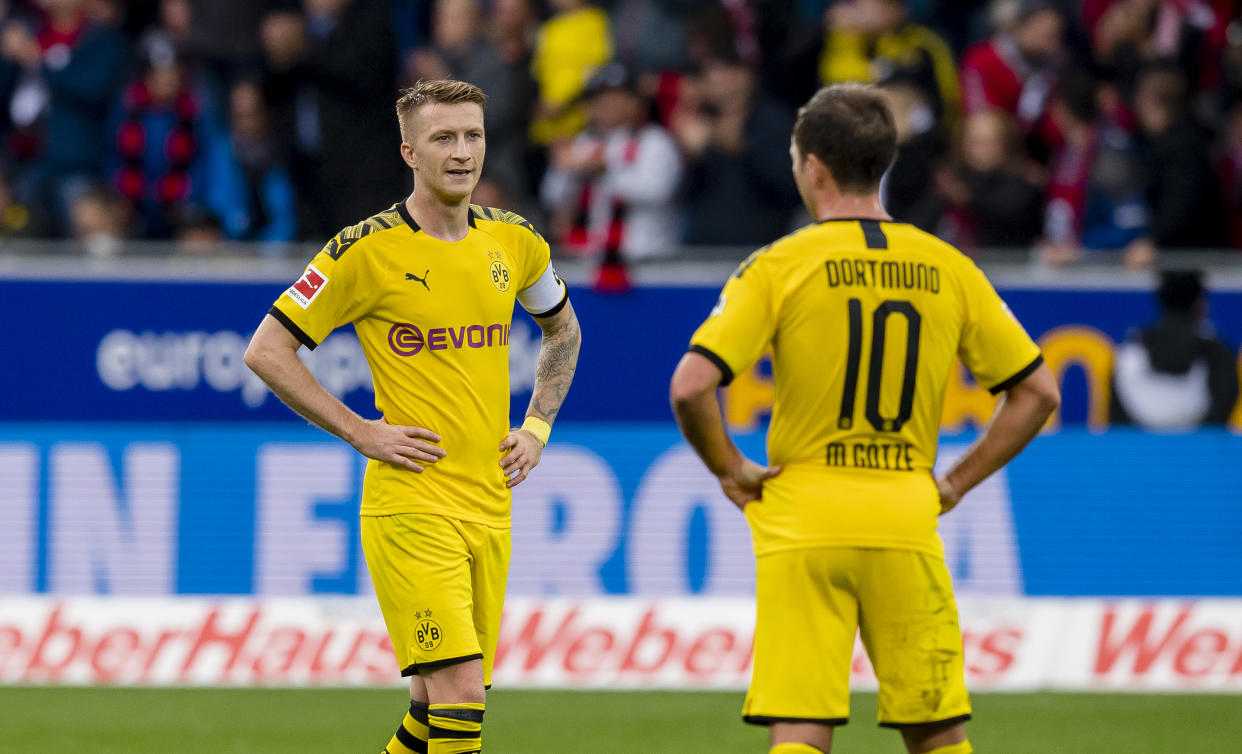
(875, 366)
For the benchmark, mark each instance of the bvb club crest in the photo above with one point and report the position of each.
(428, 634)
(500, 275)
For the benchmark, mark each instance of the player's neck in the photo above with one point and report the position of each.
(849, 207)
(447, 222)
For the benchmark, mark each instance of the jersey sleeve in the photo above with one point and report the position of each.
(542, 293)
(332, 291)
(994, 346)
(741, 324)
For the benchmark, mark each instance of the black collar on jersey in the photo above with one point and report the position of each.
(404, 211)
(872, 232)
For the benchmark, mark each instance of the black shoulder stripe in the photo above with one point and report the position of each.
(292, 327)
(726, 374)
(381, 221)
(1022, 374)
(874, 234)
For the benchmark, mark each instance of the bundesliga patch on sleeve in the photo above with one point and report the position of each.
(308, 286)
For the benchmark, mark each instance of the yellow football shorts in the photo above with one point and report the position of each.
(810, 604)
(441, 587)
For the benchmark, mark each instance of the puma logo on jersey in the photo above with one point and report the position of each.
(423, 279)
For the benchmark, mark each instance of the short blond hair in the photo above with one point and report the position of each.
(436, 91)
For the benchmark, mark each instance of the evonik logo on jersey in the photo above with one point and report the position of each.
(406, 339)
(308, 286)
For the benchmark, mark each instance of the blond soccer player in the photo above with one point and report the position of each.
(865, 318)
(429, 285)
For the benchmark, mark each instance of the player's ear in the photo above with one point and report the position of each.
(407, 154)
(817, 170)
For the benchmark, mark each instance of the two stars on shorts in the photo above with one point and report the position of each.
(423, 614)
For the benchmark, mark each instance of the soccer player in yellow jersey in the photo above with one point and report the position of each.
(865, 317)
(429, 286)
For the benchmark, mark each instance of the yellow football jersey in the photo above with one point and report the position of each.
(864, 319)
(433, 319)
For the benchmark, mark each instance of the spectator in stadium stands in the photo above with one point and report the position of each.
(1182, 190)
(459, 50)
(873, 40)
(1093, 199)
(1127, 34)
(570, 45)
(98, 222)
(650, 35)
(735, 137)
(10, 73)
(908, 190)
(72, 68)
(1015, 70)
(1231, 173)
(1175, 374)
(331, 73)
(222, 37)
(248, 186)
(990, 198)
(198, 233)
(160, 141)
(609, 192)
(16, 220)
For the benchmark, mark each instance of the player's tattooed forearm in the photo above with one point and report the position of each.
(558, 358)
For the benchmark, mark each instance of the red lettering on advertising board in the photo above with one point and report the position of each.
(113, 652)
(10, 645)
(647, 631)
(211, 634)
(528, 641)
(709, 651)
(1146, 649)
(588, 652)
(1200, 653)
(50, 657)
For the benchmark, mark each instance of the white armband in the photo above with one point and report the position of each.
(546, 296)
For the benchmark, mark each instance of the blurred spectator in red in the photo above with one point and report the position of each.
(72, 68)
(248, 183)
(739, 189)
(332, 76)
(1182, 189)
(1014, 71)
(459, 50)
(571, 44)
(1094, 200)
(1175, 374)
(874, 40)
(990, 198)
(908, 190)
(609, 192)
(158, 161)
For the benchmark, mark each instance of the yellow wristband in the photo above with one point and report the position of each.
(537, 427)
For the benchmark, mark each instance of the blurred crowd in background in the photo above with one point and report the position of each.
(624, 128)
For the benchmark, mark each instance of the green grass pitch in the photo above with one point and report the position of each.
(241, 721)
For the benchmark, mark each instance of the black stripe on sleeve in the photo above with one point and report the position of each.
(726, 374)
(555, 309)
(418, 711)
(1022, 374)
(873, 234)
(292, 327)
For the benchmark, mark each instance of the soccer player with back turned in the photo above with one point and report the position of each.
(429, 285)
(865, 318)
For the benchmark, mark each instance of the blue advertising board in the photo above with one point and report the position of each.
(172, 351)
(271, 508)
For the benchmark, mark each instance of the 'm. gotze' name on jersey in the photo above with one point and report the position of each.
(865, 320)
